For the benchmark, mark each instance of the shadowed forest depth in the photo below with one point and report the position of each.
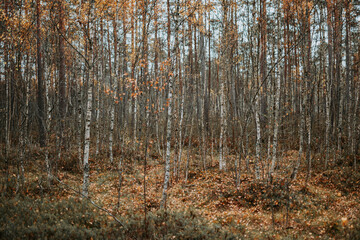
(180, 119)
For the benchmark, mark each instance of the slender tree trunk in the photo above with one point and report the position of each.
(47, 124)
(276, 125)
(100, 89)
(203, 82)
(349, 92)
(339, 82)
(79, 113)
(87, 137)
(301, 127)
(188, 151)
(354, 122)
(309, 92)
(27, 99)
(224, 74)
(181, 111)
(134, 77)
(112, 96)
(90, 80)
(329, 83)
(40, 90)
(222, 162)
(62, 98)
(258, 137)
(79, 121)
(22, 122)
(98, 105)
(7, 93)
(40, 93)
(169, 114)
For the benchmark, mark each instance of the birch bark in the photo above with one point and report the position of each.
(169, 114)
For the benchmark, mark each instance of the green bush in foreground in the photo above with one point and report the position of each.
(73, 219)
(26, 218)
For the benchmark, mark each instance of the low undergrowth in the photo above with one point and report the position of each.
(26, 218)
(206, 206)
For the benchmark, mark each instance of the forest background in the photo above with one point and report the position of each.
(180, 119)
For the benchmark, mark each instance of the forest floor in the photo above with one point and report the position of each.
(327, 206)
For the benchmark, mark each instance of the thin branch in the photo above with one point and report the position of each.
(89, 199)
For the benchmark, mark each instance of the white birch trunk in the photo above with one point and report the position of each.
(301, 130)
(308, 126)
(258, 137)
(79, 123)
(158, 142)
(341, 107)
(27, 100)
(169, 114)
(188, 151)
(327, 123)
(276, 125)
(168, 147)
(135, 115)
(47, 126)
(181, 125)
(24, 122)
(353, 142)
(328, 88)
(98, 119)
(87, 139)
(270, 113)
(203, 95)
(222, 163)
(112, 119)
(270, 123)
(350, 114)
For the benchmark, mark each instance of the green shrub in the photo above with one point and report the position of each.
(34, 219)
(172, 225)
(74, 219)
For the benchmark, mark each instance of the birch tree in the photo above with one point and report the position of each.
(169, 112)
(90, 73)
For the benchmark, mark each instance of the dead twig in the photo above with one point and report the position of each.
(89, 199)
